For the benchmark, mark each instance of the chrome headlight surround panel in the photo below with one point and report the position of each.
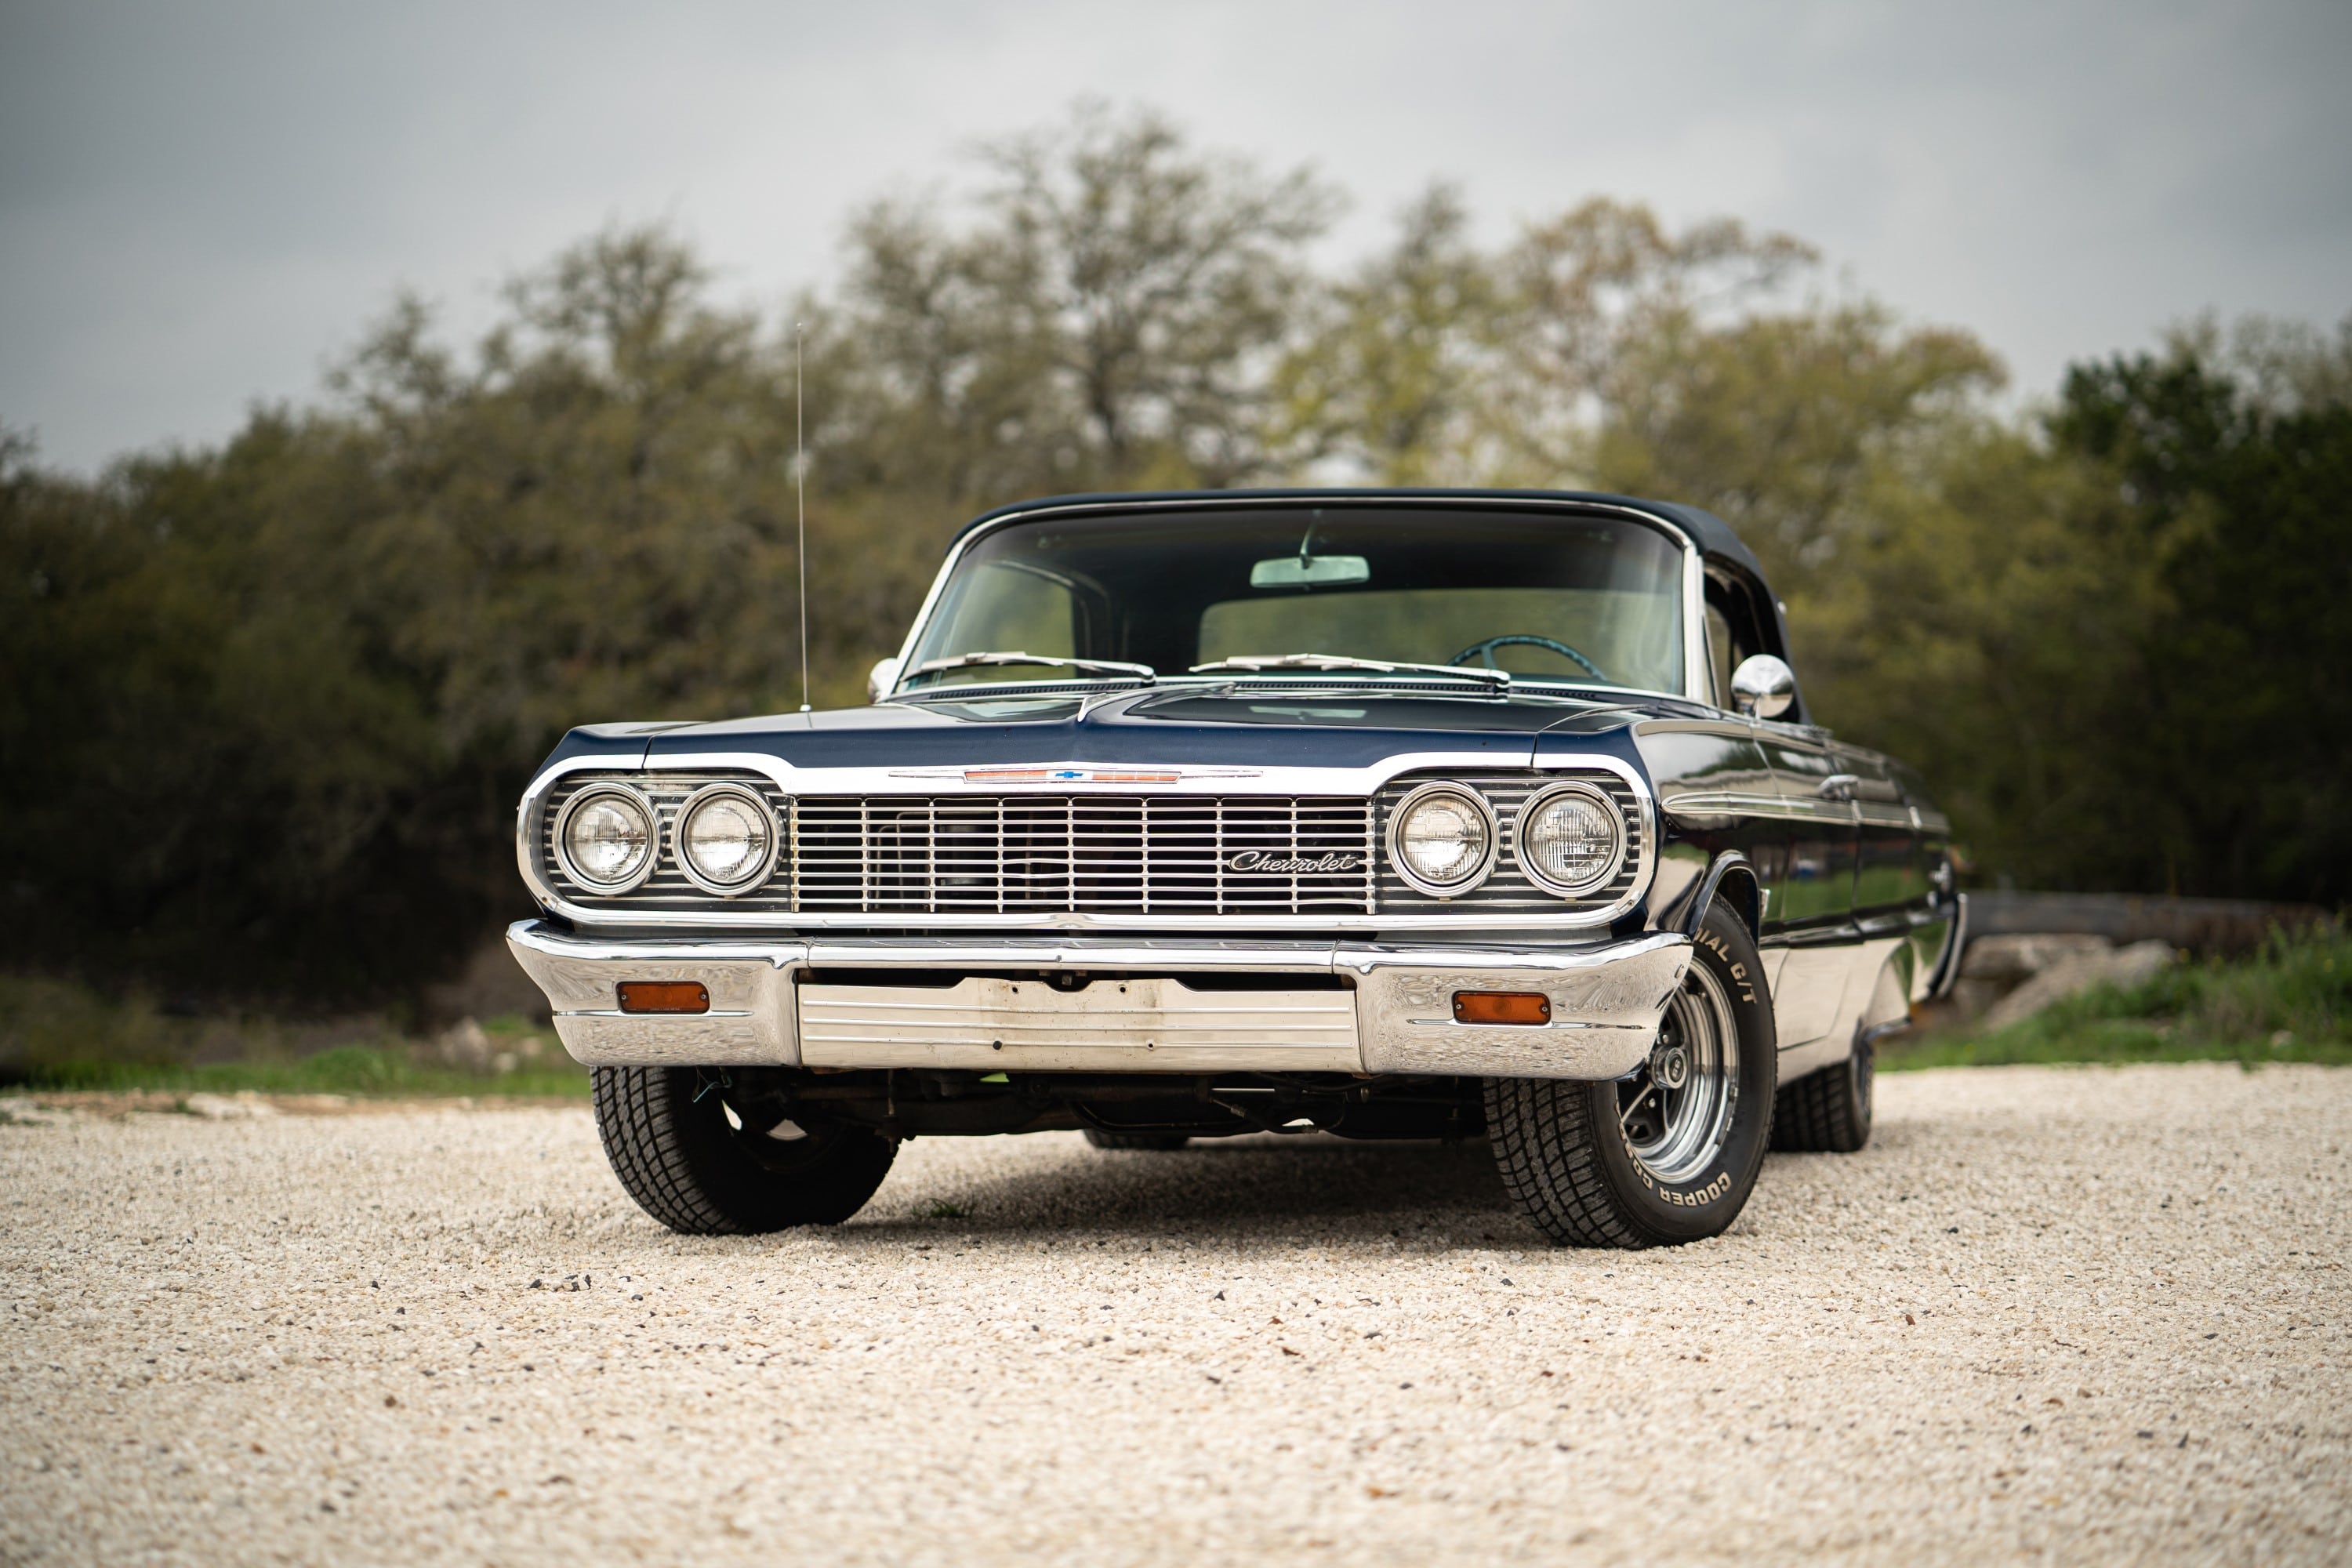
(1533, 808)
(766, 865)
(604, 789)
(1480, 806)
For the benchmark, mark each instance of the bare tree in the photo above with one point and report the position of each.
(1109, 319)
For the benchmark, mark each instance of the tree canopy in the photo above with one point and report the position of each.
(264, 708)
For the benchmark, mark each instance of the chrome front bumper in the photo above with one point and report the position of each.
(1397, 1017)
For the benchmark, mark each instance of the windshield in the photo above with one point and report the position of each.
(1545, 596)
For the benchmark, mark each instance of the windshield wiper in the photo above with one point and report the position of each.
(1253, 662)
(1142, 672)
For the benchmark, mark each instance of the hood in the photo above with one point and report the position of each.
(1313, 726)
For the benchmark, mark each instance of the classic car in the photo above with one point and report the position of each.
(1380, 814)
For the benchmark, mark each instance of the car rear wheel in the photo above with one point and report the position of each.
(1828, 1112)
(1670, 1152)
(691, 1161)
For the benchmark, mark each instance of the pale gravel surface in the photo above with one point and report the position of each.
(2089, 1314)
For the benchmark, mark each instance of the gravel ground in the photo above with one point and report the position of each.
(2089, 1313)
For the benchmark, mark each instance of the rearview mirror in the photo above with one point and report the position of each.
(1763, 687)
(884, 677)
(1310, 571)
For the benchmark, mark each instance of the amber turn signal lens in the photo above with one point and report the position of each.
(663, 997)
(1501, 1008)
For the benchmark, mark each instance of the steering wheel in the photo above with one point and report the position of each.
(1484, 651)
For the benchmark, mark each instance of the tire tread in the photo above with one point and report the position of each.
(1818, 1114)
(1544, 1138)
(688, 1170)
(647, 1149)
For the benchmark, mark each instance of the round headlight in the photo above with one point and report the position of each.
(1571, 839)
(1442, 840)
(606, 838)
(726, 839)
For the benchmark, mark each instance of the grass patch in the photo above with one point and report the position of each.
(358, 1070)
(2290, 1002)
(60, 1037)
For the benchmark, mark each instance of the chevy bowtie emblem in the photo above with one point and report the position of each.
(1258, 860)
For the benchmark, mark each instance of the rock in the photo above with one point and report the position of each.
(492, 985)
(2011, 959)
(2140, 962)
(229, 1107)
(1969, 998)
(464, 1045)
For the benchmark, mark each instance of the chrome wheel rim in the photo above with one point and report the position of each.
(1674, 1110)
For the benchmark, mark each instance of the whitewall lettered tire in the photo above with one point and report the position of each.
(1670, 1152)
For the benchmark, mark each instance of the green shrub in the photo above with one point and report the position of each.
(2290, 1001)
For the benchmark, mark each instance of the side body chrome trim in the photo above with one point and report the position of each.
(1767, 808)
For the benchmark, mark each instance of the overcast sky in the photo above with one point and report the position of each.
(202, 205)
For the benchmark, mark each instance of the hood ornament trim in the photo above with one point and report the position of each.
(1076, 773)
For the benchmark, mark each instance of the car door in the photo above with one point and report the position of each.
(1890, 875)
(1810, 885)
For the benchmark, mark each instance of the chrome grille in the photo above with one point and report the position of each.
(1014, 854)
(1043, 853)
(972, 855)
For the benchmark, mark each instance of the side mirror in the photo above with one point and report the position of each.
(882, 680)
(1763, 687)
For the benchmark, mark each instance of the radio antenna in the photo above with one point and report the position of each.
(800, 480)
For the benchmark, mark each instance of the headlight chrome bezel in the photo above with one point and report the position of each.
(1480, 805)
(1532, 809)
(608, 790)
(766, 865)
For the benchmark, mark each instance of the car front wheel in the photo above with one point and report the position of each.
(691, 1161)
(1669, 1152)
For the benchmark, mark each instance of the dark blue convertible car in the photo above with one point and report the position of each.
(1380, 814)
